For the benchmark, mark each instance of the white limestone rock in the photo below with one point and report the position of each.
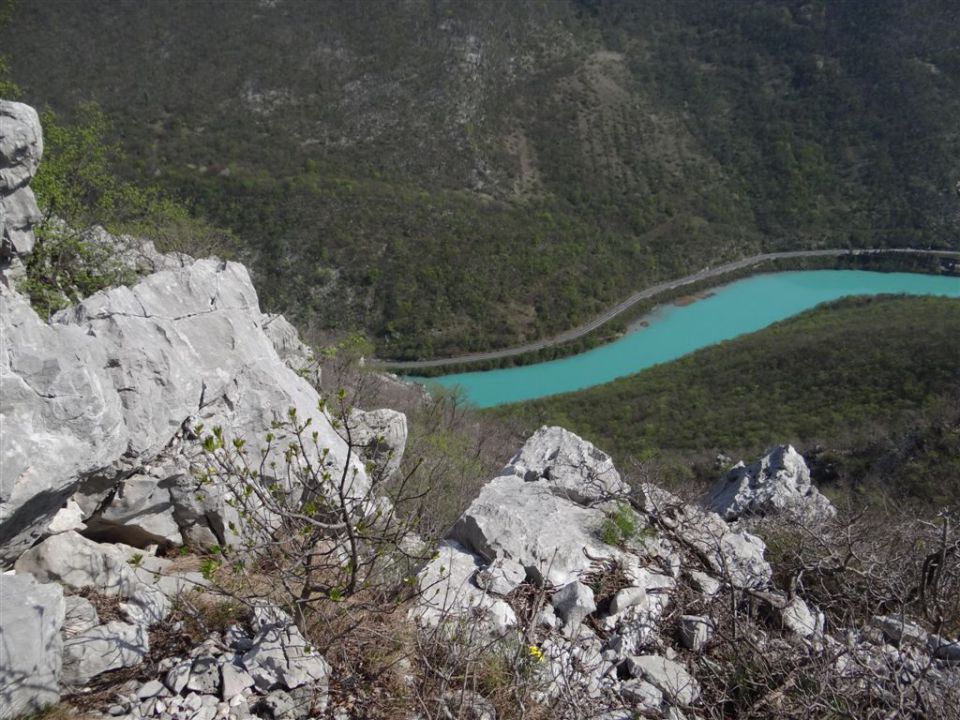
(233, 681)
(69, 517)
(626, 598)
(21, 147)
(105, 647)
(501, 577)
(80, 616)
(78, 563)
(282, 658)
(286, 341)
(573, 602)
(569, 465)
(61, 418)
(139, 512)
(641, 693)
(733, 556)
(776, 485)
(381, 436)
(671, 678)
(695, 631)
(107, 387)
(447, 591)
(21, 144)
(798, 618)
(538, 511)
(31, 646)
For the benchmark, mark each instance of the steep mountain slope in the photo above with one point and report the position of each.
(454, 176)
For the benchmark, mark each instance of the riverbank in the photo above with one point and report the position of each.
(629, 314)
(738, 308)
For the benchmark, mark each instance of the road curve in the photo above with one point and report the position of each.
(644, 294)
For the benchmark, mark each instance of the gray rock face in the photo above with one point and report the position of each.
(671, 678)
(113, 381)
(448, 591)
(778, 484)
(381, 436)
(21, 147)
(282, 658)
(286, 341)
(569, 465)
(573, 602)
(105, 647)
(61, 417)
(31, 647)
(735, 556)
(140, 512)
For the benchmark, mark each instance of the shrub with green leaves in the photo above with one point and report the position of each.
(305, 518)
(621, 526)
(78, 186)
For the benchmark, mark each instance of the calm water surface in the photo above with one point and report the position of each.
(741, 307)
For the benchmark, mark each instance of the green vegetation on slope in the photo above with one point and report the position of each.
(452, 176)
(874, 382)
(77, 187)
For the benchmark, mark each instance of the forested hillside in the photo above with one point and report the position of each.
(869, 387)
(451, 175)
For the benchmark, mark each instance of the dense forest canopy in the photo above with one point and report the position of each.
(449, 175)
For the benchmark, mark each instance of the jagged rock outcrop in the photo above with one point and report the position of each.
(31, 647)
(286, 341)
(21, 147)
(568, 465)
(114, 384)
(62, 419)
(544, 513)
(381, 436)
(542, 510)
(776, 484)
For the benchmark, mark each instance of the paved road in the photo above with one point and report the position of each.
(644, 294)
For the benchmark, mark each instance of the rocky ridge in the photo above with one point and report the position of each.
(617, 595)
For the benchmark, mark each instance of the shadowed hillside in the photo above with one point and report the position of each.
(452, 176)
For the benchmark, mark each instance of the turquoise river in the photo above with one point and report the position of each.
(740, 307)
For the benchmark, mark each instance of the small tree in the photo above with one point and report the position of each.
(311, 522)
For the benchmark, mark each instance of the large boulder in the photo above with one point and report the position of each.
(78, 563)
(380, 436)
(542, 510)
(778, 484)
(21, 147)
(31, 647)
(106, 647)
(61, 415)
(568, 465)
